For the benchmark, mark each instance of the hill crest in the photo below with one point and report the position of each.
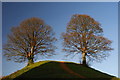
(58, 69)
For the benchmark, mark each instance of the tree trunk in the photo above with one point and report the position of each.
(84, 58)
(30, 61)
(31, 57)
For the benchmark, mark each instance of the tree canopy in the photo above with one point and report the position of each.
(84, 36)
(31, 38)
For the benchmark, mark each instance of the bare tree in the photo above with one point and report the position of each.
(85, 36)
(30, 38)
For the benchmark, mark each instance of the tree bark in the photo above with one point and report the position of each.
(31, 56)
(30, 61)
(84, 58)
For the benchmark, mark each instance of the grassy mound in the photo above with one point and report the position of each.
(56, 69)
(23, 70)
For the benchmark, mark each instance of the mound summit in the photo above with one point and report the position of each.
(58, 69)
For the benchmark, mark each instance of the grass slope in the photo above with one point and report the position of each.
(55, 69)
(23, 70)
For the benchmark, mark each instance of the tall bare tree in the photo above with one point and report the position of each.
(30, 38)
(84, 36)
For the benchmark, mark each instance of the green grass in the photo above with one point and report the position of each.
(52, 69)
(49, 70)
(90, 72)
(23, 70)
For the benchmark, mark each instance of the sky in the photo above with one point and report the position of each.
(57, 15)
